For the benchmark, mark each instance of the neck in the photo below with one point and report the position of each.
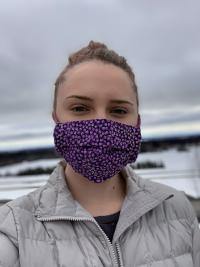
(99, 199)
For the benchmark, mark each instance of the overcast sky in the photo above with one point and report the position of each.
(160, 40)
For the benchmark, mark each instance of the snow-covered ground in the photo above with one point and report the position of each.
(13, 186)
(184, 180)
(181, 171)
(174, 159)
(24, 165)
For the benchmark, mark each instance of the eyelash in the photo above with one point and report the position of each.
(124, 111)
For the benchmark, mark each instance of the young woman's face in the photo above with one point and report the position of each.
(96, 90)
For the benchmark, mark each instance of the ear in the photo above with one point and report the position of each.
(54, 117)
(138, 121)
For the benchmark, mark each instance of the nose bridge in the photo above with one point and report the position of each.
(101, 113)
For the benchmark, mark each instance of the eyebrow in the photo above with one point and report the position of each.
(117, 101)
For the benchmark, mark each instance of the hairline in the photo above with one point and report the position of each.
(69, 67)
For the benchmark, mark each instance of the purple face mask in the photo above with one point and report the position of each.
(98, 149)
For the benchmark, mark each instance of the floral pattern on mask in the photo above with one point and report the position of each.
(98, 149)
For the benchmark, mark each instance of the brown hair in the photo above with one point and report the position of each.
(99, 51)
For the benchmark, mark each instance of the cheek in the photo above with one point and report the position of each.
(133, 119)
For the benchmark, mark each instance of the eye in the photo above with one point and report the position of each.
(120, 111)
(79, 109)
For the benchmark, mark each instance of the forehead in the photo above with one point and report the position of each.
(97, 77)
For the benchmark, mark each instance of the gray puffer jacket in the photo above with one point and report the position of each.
(157, 227)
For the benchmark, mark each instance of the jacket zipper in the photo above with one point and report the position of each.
(117, 259)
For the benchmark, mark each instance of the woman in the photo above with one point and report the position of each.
(94, 210)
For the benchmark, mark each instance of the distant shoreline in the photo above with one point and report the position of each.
(181, 143)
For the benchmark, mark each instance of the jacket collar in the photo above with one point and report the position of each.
(55, 198)
(142, 196)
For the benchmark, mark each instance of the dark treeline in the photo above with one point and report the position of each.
(12, 157)
(148, 145)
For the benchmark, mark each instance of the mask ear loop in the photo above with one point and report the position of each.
(138, 121)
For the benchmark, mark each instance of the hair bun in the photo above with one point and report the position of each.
(95, 45)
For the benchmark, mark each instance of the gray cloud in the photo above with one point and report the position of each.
(159, 38)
